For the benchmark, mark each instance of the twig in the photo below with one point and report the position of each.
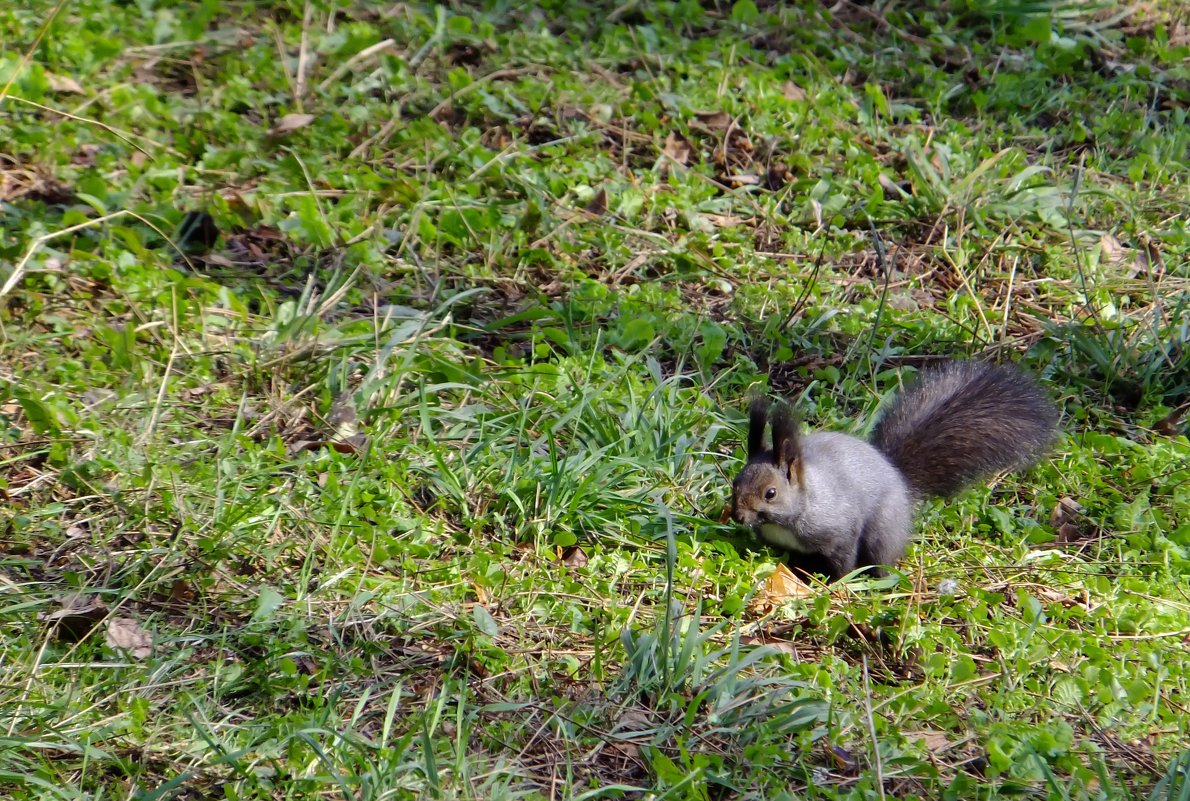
(299, 90)
(28, 54)
(122, 135)
(279, 41)
(810, 284)
(970, 291)
(159, 401)
(350, 63)
(1008, 296)
(424, 51)
(886, 268)
(508, 72)
(872, 730)
(1078, 255)
(18, 272)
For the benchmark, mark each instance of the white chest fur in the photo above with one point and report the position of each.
(781, 537)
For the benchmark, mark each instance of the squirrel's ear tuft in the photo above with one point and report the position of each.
(758, 416)
(786, 445)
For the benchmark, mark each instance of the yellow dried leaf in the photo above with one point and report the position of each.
(782, 583)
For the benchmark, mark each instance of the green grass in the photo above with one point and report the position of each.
(404, 429)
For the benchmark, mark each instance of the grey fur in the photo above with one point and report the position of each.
(837, 503)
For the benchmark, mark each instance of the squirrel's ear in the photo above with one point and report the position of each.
(786, 444)
(758, 416)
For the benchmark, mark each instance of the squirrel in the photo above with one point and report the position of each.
(837, 503)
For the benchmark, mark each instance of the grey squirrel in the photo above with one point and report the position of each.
(837, 503)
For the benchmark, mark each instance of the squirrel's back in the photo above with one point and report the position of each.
(962, 422)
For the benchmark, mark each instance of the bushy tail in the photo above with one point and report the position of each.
(962, 422)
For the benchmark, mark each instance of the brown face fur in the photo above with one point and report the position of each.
(758, 494)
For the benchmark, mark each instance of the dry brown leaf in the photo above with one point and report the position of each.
(903, 301)
(1064, 520)
(891, 185)
(1065, 509)
(290, 123)
(180, 592)
(713, 120)
(17, 182)
(1051, 595)
(125, 634)
(725, 221)
(598, 204)
(743, 179)
(77, 617)
(1068, 533)
(784, 646)
(193, 393)
(1142, 261)
(935, 742)
(677, 148)
(1150, 259)
(63, 84)
(355, 444)
(1111, 248)
(938, 162)
(627, 751)
(343, 416)
(843, 759)
(792, 91)
(352, 446)
(634, 721)
(1171, 424)
(86, 154)
(218, 260)
(777, 176)
(574, 557)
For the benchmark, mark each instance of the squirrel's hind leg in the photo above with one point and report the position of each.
(884, 538)
(813, 563)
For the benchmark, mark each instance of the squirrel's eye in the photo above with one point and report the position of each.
(770, 493)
